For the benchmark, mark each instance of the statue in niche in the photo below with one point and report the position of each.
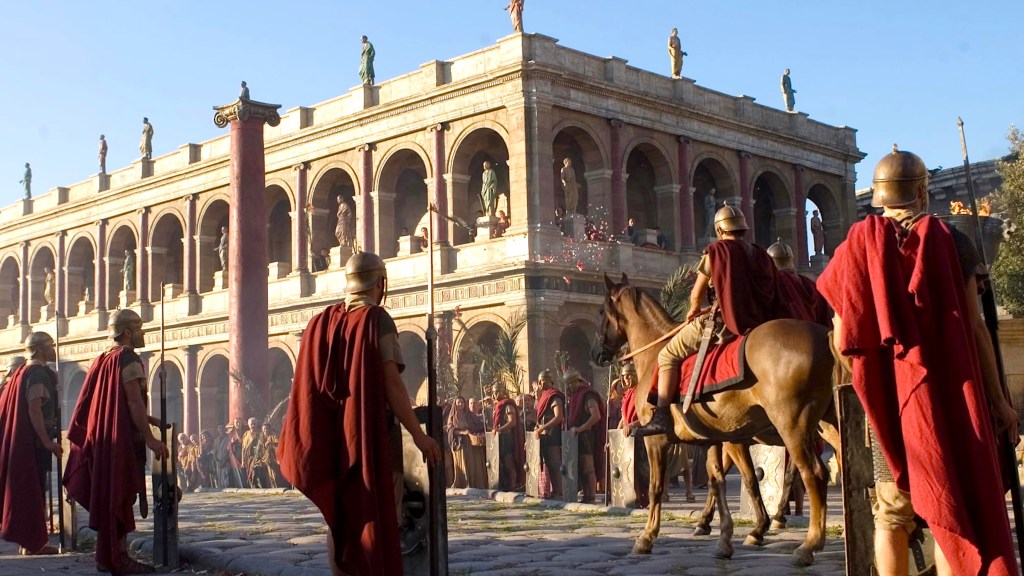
(489, 190)
(103, 154)
(366, 62)
(818, 234)
(345, 230)
(709, 213)
(222, 248)
(129, 270)
(788, 92)
(243, 94)
(570, 187)
(26, 180)
(515, 11)
(675, 53)
(49, 291)
(146, 144)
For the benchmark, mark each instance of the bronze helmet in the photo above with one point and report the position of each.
(897, 178)
(730, 219)
(40, 342)
(783, 256)
(125, 319)
(362, 272)
(545, 375)
(629, 368)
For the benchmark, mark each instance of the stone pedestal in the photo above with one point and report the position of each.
(818, 262)
(46, 312)
(172, 291)
(409, 245)
(12, 320)
(220, 280)
(576, 226)
(485, 228)
(646, 236)
(102, 182)
(278, 270)
(126, 298)
(85, 306)
(339, 257)
(143, 168)
(26, 206)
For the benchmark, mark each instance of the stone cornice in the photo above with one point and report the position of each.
(244, 110)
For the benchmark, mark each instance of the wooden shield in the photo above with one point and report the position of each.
(622, 465)
(532, 466)
(570, 467)
(493, 461)
(770, 467)
(858, 476)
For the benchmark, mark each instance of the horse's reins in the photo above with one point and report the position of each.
(663, 337)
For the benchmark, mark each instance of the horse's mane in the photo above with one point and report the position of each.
(651, 309)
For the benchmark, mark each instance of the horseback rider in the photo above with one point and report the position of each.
(744, 281)
(798, 292)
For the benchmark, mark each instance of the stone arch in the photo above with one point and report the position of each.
(42, 260)
(414, 352)
(650, 187)
(81, 272)
(480, 337)
(123, 238)
(281, 368)
(773, 210)
(10, 291)
(213, 390)
(822, 196)
(336, 179)
(712, 179)
(402, 194)
(589, 162)
(73, 387)
(166, 253)
(175, 388)
(576, 339)
(213, 217)
(477, 145)
(279, 225)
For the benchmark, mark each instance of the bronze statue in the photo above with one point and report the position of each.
(129, 270)
(515, 11)
(675, 53)
(243, 94)
(366, 64)
(222, 248)
(489, 190)
(27, 181)
(569, 186)
(146, 145)
(103, 154)
(817, 233)
(48, 286)
(345, 229)
(788, 92)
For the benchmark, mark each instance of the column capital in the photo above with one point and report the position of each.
(144, 210)
(684, 140)
(798, 167)
(24, 245)
(743, 154)
(60, 234)
(439, 127)
(615, 122)
(243, 110)
(304, 165)
(190, 197)
(101, 222)
(190, 348)
(367, 147)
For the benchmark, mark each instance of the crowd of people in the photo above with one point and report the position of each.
(231, 456)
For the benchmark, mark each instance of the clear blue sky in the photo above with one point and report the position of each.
(72, 70)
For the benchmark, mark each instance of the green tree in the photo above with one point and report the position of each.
(1008, 201)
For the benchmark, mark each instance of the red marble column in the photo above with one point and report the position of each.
(366, 242)
(60, 274)
(247, 251)
(688, 232)
(746, 193)
(23, 289)
(618, 186)
(189, 386)
(101, 269)
(440, 186)
(191, 263)
(142, 270)
(299, 231)
(799, 217)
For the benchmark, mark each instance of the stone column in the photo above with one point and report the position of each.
(101, 267)
(458, 192)
(618, 181)
(189, 242)
(667, 197)
(383, 209)
(800, 217)
(746, 192)
(142, 270)
(23, 291)
(366, 229)
(190, 386)
(440, 185)
(247, 246)
(60, 278)
(599, 194)
(300, 248)
(688, 236)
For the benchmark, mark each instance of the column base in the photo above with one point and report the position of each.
(485, 228)
(26, 206)
(307, 282)
(818, 262)
(102, 182)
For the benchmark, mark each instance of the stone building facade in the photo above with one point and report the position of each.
(644, 146)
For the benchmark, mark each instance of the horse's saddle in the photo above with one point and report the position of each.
(724, 367)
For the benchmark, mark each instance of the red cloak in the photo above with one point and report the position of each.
(22, 501)
(518, 431)
(746, 281)
(801, 297)
(103, 473)
(629, 405)
(916, 370)
(334, 444)
(578, 415)
(544, 400)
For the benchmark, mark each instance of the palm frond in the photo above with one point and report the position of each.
(675, 295)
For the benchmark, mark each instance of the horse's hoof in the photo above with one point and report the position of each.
(701, 530)
(642, 546)
(724, 549)
(752, 540)
(803, 556)
(778, 525)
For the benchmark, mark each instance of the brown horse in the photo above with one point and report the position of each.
(786, 393)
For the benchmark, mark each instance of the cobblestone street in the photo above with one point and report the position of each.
(282, 534)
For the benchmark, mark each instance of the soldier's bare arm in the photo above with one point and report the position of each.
(398, 400)
(697, 296)
(595, 416)
(35, 415)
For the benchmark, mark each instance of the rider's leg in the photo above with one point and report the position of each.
(683, 344)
